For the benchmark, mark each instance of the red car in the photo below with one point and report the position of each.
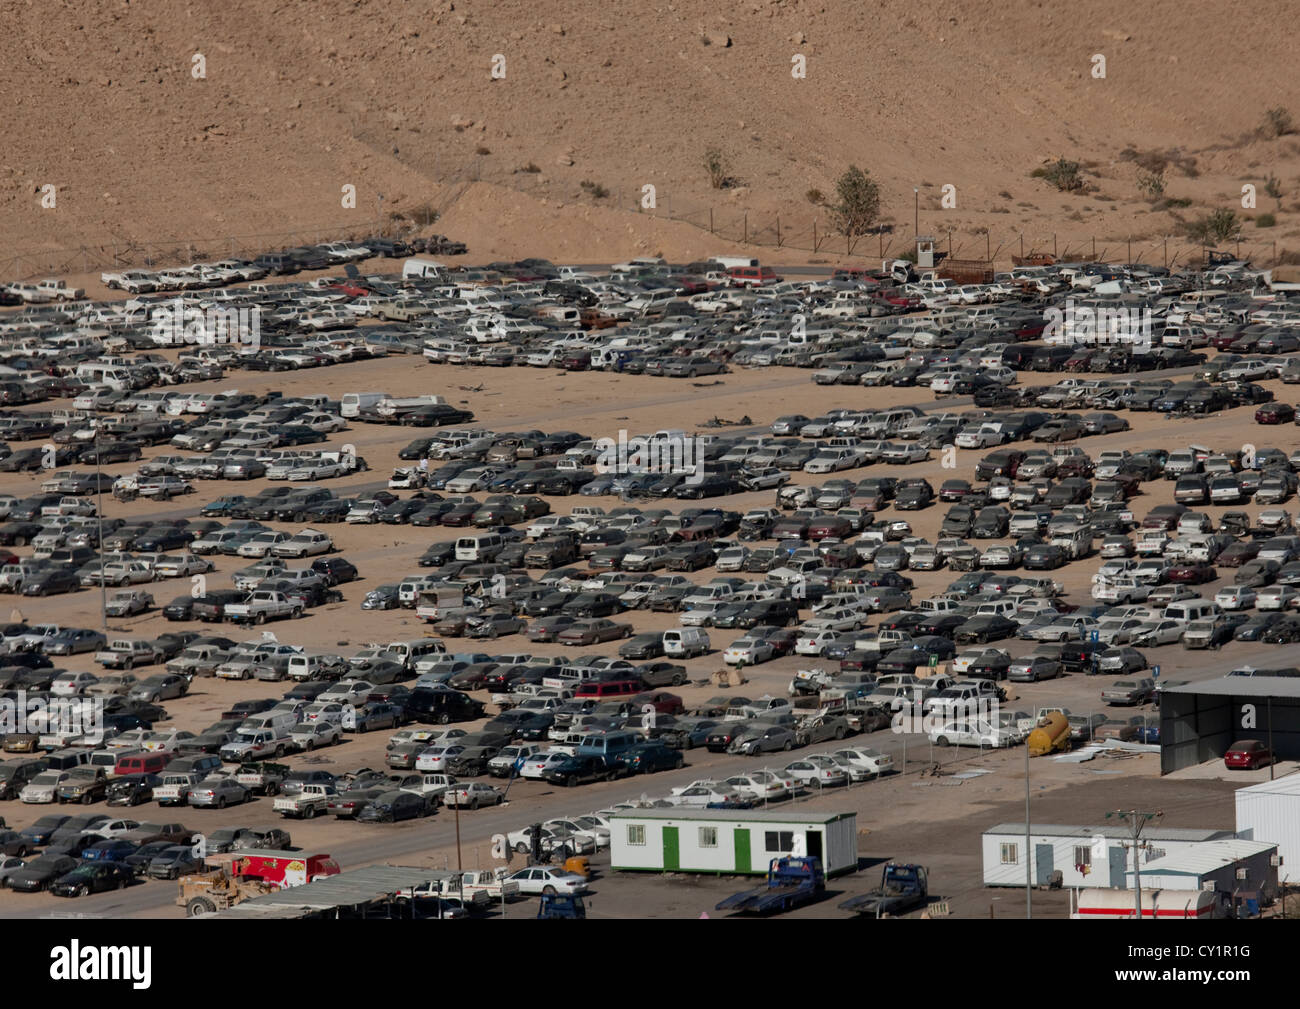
(1275, 413)
(1247, 755)
(662, 701)
(1196, 574)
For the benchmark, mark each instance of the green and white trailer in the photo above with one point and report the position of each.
(727, 842)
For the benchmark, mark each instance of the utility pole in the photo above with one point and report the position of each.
(916, 212)
(1029, 880)
(1136, 821)
(99, 522)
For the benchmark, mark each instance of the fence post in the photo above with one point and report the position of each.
(746, 227)
(1022, 245)
(778, 231)
(814, 236)
(1053, 244)
(710, 220)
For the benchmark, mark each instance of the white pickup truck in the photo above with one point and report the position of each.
(256, 745)
(58, 290)
(477, 886)
(124, 653)
(263, 605)
(135, 281)
(312, 800)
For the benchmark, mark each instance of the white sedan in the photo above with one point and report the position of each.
(435, 757)
(312, 735)
(965, 733)
(537, 765)
(539, 880)
(598, 835)
(472, 794)
(747, 652)
(1276, 597)
(1235, 597)
(815, 642)
(552, 838)
(760, 785)
(348, 692)
(701, 796)
(324, 711)
(863, 762)
(817, 771)
(166, 740)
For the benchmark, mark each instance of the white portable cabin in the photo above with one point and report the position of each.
(1270, 811)
(662, 839)
(1073, 851)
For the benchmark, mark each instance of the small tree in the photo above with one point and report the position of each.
(859, 203)
(1062, 174)
(1220, 226)
(715, 163)
(1151, 184)
(1273, 189)
(1277, 122)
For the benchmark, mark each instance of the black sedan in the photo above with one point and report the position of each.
(39, 873)
(393, 806)
(93, 877)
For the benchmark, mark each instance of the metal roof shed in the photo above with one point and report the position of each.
(1199, 721)
(355, 888)
(1230, 866)
(730, 841)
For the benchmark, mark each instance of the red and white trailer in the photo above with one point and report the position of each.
(1162, 904)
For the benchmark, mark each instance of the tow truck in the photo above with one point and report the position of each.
(791, 881)
(903, 886)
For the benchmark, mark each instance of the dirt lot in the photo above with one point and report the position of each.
(912, 816)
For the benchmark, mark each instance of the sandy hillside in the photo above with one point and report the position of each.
(398, 99)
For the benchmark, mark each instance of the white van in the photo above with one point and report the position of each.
(412, 652)
(418, 267)
(1187, 610)
(278, 724)
(685, 642)
(354, 402)
(479, 547)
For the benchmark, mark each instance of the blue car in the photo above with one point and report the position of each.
(108, 851)
(1148, 734)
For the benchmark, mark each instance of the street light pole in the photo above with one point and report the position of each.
(99, 522)
(916, 212)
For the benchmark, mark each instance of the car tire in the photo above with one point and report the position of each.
(943, 741)
(521, 848)
(221, 802)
